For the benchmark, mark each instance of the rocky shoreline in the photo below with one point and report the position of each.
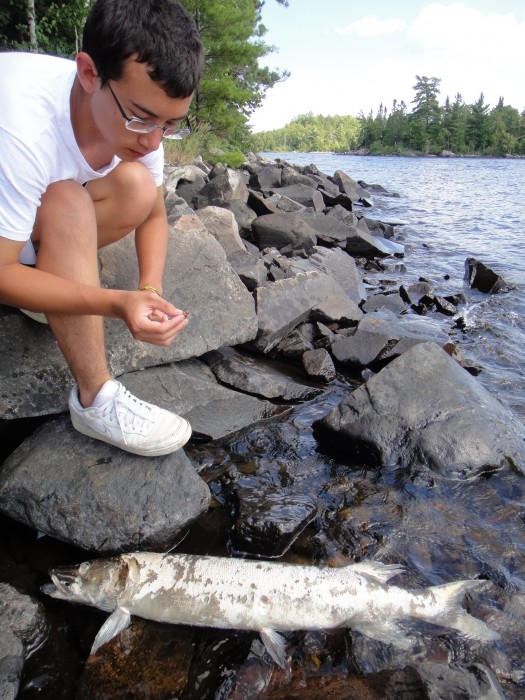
(271, 261)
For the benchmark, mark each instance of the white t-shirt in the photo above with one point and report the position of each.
(37, 143)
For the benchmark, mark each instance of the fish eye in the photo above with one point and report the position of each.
(83, 568)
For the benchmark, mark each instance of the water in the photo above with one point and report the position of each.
(452, 209)
(440, 530)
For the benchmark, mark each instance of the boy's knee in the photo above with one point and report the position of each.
(135, 183)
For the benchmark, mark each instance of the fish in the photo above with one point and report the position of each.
(270, 598)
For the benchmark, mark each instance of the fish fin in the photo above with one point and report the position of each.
(377, 570)
(275, 645)
(386, 631)
(116, 623)
(450, 595)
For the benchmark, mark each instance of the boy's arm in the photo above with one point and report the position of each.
(151, 243)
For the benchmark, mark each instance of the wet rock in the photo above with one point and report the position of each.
(414, 292)
(360, 349)
(481, 277)
(424, 408)
(23, 629)
(259, 376)
(297, 342)
(318, 364)
(308, 296)
(269, 519)
(98, 497)
(360, 243)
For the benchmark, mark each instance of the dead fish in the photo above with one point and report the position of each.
(269, 597)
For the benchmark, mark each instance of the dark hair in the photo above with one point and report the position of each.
(159, 32)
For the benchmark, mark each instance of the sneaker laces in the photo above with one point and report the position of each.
(130, 412)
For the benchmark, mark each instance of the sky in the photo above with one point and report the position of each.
(346, 56)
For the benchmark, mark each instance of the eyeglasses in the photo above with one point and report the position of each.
(140, 126)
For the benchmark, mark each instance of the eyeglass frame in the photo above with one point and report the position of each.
(178, 133)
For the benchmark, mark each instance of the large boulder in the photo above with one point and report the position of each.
(280, 230)
(97, 497)
(425, 408)
(34, 377)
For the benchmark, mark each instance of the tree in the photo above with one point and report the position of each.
(427, 114)
(477, 125)
(233, 83)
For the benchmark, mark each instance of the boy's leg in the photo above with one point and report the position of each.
(69, 236)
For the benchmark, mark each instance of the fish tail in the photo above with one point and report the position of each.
(449, 597)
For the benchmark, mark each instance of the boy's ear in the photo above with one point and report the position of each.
(86, 72)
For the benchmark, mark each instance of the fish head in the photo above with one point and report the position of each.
(100, 582)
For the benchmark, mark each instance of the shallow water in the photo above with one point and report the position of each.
(439, 528)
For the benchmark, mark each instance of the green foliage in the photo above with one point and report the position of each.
(311, 133)
(428, 129)
(233, 84)
(233, 159)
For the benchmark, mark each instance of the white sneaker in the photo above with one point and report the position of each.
(119, 418)
(35, 315)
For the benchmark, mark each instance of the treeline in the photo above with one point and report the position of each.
(428, 128)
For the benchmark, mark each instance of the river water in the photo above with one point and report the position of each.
(441, 530)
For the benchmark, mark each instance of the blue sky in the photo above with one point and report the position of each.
(346, 56)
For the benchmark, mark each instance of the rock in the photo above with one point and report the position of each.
(391, 302)
(228, 184)
(308, 296)
(297, 342)
(318, 364)
(280, 230)
(480, 277)
(244, 215)
(250, 268)
(190, 389)
(223, 227)
(352, 188)
(259, 376)
(85, 492)
(424, 408)
(34, 377)
(303, 194)
(338, 265)
(360, 243)
(266, 178)
(329, 230)
(269, 519)
(23, 629)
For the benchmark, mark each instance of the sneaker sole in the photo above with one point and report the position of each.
(35, 315)
(156, 452)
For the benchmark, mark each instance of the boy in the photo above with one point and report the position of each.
(81, 166)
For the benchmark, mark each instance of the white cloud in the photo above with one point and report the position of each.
(372, 26)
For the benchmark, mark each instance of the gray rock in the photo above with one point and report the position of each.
(318, 363)
(23, 629)
(391, 302)
(280, 230)
(98, 497)
(361, 243)
(223, 227)
(226, 185)
(297, 342)
(360, 349)
(190, 389)
(424, 408)
(259, 376)
(303, 194)
(244, 215)
(266, 178)
(308, 296)
(339, 265)
(34, 378)
(350, 187)
(250, 268)
(330, 230)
